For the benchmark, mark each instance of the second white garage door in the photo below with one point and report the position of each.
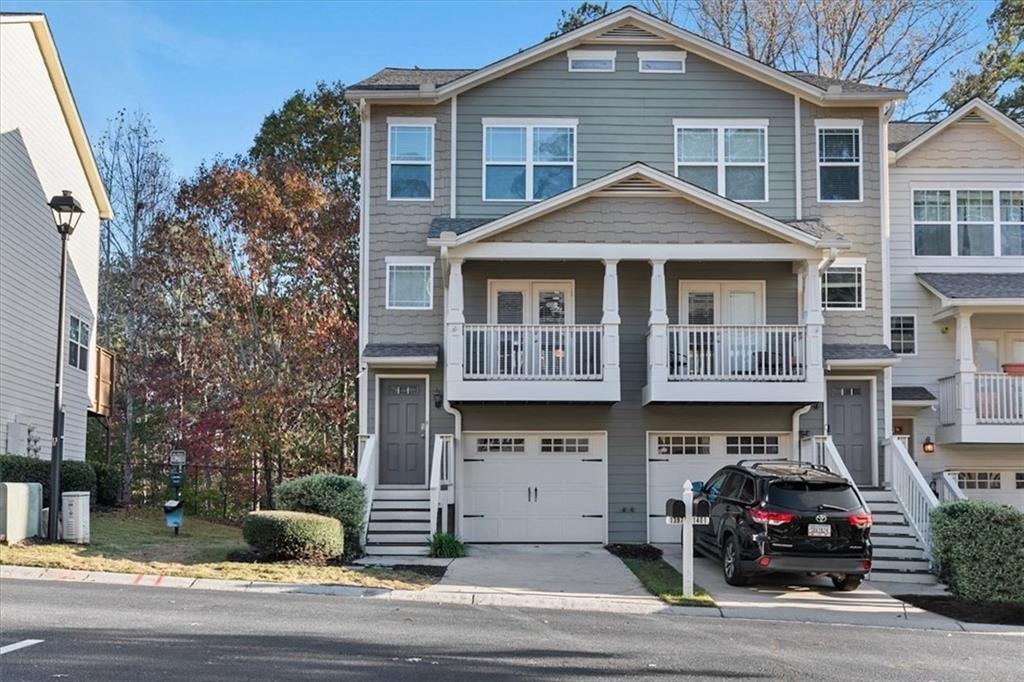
(525, 487)
(673, 458)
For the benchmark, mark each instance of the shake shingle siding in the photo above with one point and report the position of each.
(623, 117)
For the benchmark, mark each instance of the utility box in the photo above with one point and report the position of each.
(75, 508)
(21, 507)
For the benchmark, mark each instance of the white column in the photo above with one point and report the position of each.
(965, 370)
(814, 322)
(610, 320)
(657, 339)
(454, 323)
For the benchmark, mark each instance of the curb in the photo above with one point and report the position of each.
(495, 599)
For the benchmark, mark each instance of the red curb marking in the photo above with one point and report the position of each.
(137, 579)
(158, 580)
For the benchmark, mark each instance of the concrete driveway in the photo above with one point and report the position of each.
(581, 571)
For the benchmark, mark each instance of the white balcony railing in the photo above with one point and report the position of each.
(533, 352)
(720, 352)
(999, 398)
(947, 401)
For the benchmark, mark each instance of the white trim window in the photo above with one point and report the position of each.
(840, 163)
(410, 159)
(754, 444)
(968, 222)
(729, 158)
(672, 61)
(409, 283)
(78, 343)
(903, 329)
(528, 160)
(842, 285)
(979, 480)
(597, 61)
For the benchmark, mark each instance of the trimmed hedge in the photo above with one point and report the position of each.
(293, 535)
(979, 548)
(340, 497)
(74, 476)
(108, 483)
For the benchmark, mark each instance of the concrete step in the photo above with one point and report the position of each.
(892, 576)
(417, 505)
(879, 506)
(401, 494)
(896, 544)
(399, 515)
(379, 549)
(403, 525)
(899, 564)
(877, 495)
(393, 537)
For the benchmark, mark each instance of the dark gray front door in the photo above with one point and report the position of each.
(849, 423)
(403, 445)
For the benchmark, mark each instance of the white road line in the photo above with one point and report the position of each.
(19, 645)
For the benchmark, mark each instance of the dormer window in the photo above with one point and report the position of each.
(662, 62)
(600, 61)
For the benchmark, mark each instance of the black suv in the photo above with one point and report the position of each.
(781, 516)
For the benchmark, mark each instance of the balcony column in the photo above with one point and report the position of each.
(657, 338)
(455, 321)
(813, 319)
(610, 320)
(965, 370)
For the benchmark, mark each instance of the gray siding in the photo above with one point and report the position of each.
(624, 117)
(636, 220)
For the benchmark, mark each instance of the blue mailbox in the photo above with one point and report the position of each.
(174, 514)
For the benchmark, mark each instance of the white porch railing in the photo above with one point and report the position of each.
(726, 352)
(946, 488)
(367, 475)
(533, 352)
(822, 451)
(999, 398)
(947, 401)
(441, 472)
(905, 440)
(911, 490)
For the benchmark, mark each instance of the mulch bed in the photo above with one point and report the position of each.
(429, 571)
(649, 552)
(992, 612)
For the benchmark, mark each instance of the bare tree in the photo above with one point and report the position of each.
(666, 10)
(138, 178)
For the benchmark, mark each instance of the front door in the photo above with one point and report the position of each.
(403, 432)
(849, 424)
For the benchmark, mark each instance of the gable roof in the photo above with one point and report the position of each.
(809, 233)
(975, 108)
(627, 25)
(66, 100)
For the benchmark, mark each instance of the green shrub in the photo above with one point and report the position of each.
(75, 476)
(979, 548)
(108, 483)
(293, 535)
(446, 546)
(341, 497)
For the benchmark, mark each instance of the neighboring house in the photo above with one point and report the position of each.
(957, 318)
(611, 262)
(43, 151)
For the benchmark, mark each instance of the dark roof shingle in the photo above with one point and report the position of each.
(391, 78)
(911, 393)
(456, 225)
(824, 82)
(975, 284)
(857, 351)
(401, 350)
(902, 133)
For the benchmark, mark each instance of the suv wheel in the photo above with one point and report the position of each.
(731, 569)
(847, 583)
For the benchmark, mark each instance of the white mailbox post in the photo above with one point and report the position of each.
(688, 520)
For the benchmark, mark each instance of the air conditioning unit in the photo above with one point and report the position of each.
(20, 507)
(75, 515)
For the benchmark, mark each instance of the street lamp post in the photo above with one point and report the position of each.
(66, 214)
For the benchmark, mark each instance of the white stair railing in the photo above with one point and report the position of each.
(367, 475)
(946, 488)
(911, 490)
(440, 481)
(822, 451)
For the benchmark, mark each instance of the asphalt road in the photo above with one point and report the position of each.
(101, 632)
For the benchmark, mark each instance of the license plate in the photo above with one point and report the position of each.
(819, 530)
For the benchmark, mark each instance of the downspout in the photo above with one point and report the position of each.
(445, 404)
(796, 428)
(833, 253)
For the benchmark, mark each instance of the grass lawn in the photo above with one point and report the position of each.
(137, 541)
(665, 582)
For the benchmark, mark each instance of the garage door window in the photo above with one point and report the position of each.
(752, 445)
(500, 445)
(564, 445)
(684, 445)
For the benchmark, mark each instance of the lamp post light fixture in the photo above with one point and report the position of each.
(66, 214)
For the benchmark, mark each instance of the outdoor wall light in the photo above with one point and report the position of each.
(928, 447)
(438, 397)
(66, 212)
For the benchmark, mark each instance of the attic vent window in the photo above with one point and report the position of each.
(599, 61)
(662, 62)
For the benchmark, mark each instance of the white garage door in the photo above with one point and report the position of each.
(672, 458)
(520, 487)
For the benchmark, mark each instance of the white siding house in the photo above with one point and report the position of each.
(957, 273)
(43, 150)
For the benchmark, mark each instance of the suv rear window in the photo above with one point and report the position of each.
(804, 496)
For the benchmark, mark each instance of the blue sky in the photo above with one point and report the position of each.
(207, 73)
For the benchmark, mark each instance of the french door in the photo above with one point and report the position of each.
(718, 350)
(532, 337)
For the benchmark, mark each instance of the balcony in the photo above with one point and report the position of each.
(981, 407)
(717, 352)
